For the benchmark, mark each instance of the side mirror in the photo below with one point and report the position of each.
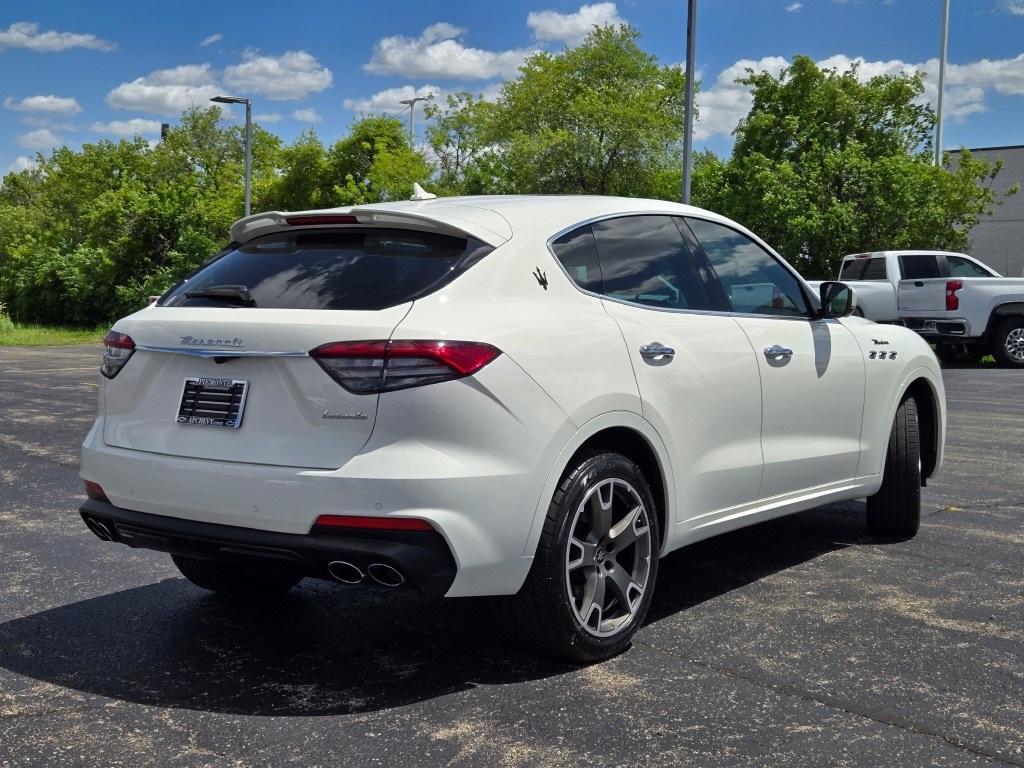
(837, 300)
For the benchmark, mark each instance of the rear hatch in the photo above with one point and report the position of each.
(221, 369)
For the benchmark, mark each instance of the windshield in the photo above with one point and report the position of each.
(355, 269)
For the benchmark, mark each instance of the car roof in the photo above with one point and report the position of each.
(915, 252)
(491, 218)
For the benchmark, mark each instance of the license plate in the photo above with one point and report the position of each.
(209, 402)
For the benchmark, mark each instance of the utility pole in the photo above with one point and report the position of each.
(691, 40)
(942, 82)
(412, 110)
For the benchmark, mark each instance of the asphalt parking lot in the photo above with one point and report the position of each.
(800, 642)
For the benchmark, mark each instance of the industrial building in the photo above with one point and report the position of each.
(998, 240)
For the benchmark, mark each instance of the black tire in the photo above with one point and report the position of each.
(895, 511)
(1000, 348)
(543, 616)
(237, 579)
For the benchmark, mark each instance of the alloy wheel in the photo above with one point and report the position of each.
(608, 557)
(1014, 344)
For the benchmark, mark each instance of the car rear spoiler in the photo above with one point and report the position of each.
(455, 219)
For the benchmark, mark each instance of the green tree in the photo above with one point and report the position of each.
(601, 118)
(826, 164)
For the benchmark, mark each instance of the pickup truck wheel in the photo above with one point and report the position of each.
(593, 574)
(896, 509)
(237, 579)
(1008, 343)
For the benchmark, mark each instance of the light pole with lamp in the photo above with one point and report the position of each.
(248, 143)
(411, 103)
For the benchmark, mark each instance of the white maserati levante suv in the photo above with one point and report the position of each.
(527, 397)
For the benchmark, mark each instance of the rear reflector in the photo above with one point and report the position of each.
(118, 348)
(95, 491)
(312, 221)
(368, 367)
(373, 523)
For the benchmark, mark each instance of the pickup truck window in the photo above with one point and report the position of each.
(754, 281)
(961, 267)
(863, 269)
(919, 266)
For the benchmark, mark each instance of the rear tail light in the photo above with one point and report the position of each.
(119, 347)
(373, 523)
(95, 491)
(368, 367)
(952, 300)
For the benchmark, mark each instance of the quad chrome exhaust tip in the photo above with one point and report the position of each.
(345, 572)
(386, 575)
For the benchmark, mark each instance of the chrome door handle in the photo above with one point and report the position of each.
(775, 352)
(655, 350)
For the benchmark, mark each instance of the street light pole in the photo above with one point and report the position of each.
(691, 40)
(248, 156)
(411, 103)
(248, 143)
(942, 82)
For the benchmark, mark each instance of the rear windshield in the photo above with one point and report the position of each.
(338, 269)
(863, 269)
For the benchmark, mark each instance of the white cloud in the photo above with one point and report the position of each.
(268, 117)
(571, 28)
(43, 138)
(725, 102)
(133, 127)
(26, 34)
(54, 105)
(167, 91)
(306, 116)
(292, 75)
(216, 37)
(437, 53)
(1012, 7)
(386, 101)
(23, 163)
(794, 7)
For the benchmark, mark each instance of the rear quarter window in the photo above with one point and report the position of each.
(354, 269)
(919, 266)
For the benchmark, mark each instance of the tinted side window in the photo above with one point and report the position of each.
(578, 255)
(754, 281)
(852, 269)
(961, 267)
(919, 266)
(875, 269)
(645, 260)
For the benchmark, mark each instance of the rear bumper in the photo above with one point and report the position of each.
(422, 557)
(953, 328)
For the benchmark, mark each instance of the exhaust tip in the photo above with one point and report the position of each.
(99, 528)
(345, 572)
(385, 575)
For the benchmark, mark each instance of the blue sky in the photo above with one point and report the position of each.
(72, 72)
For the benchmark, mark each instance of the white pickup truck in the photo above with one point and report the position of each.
(964, 307)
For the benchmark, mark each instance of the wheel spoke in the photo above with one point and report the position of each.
(625, 532)
(601, 510)
(593, 600)
(624, 588)
(581, 554)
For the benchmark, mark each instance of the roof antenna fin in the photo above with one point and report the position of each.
(419, 193)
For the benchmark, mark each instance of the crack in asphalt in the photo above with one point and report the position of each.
(832, 702)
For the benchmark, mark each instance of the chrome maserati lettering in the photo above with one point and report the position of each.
(331, 414)
(192, 341)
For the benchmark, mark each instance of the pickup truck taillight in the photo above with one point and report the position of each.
(952, 300)
(370, 367)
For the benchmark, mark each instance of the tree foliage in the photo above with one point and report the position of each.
(826, 164)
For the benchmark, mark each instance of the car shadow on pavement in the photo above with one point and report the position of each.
(325, 649)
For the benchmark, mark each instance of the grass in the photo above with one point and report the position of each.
(18, 335)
